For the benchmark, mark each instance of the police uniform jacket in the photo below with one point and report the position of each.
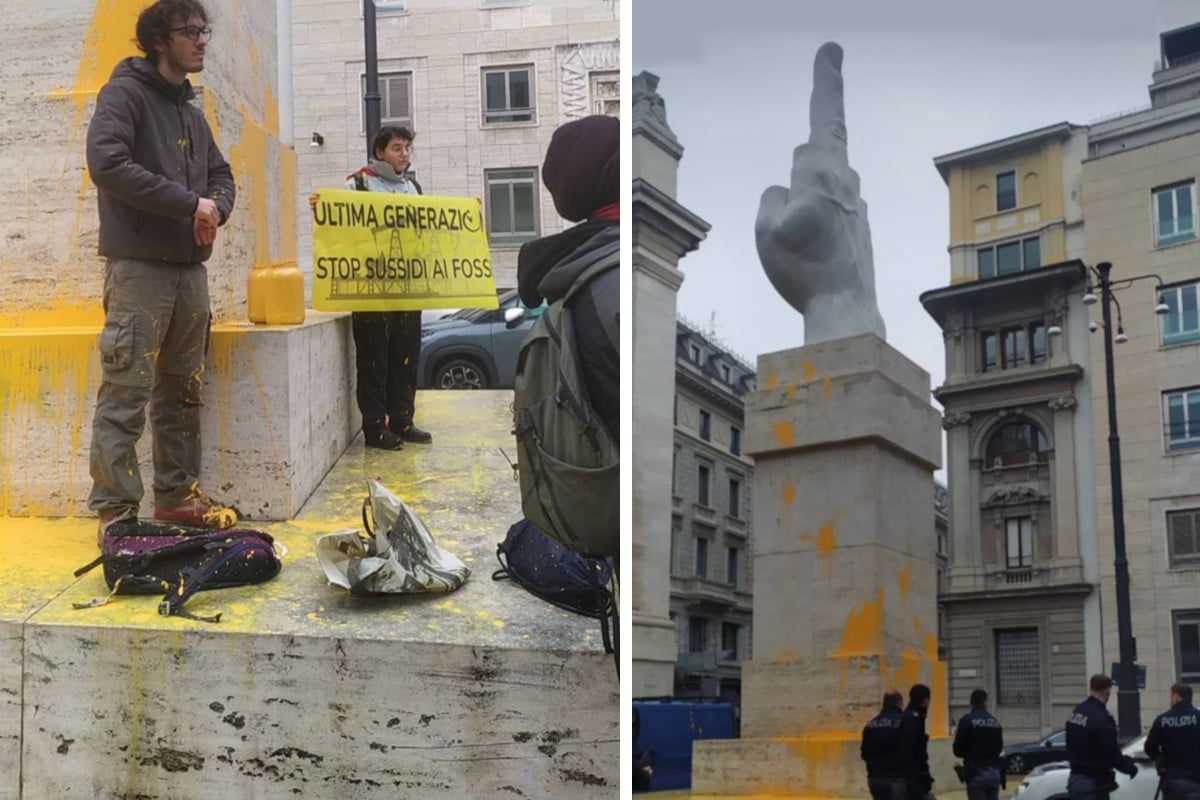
(912, 756)
(1092, 747)
(880, 740)
(1175, 740)
(978, 739)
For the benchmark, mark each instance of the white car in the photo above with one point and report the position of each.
(1049, 781)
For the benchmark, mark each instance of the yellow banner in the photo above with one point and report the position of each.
(375, 251)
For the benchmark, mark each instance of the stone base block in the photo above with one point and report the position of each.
(814, 766)
(302, 690)
(279, 409)
(806, 695)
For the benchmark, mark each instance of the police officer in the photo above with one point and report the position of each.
(1092, 748)
(880, 739)
(978, 740)
(912, 754)
(1174, 742)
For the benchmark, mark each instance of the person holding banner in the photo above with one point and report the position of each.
(387, 344)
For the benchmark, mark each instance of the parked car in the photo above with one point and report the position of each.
(1021, 758)
(475, 348)
(1049, 781)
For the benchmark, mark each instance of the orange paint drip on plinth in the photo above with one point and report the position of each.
(785, 433)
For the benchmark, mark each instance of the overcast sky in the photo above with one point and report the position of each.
(922, 78)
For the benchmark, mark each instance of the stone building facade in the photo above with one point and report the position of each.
(1021, 614)
(482, 83)
(712, 543)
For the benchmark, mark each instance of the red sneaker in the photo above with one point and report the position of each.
(199, 511)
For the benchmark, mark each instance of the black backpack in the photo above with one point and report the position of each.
(559, 575)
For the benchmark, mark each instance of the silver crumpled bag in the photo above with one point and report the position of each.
(395, 555)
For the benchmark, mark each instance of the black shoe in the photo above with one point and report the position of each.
(382, 439)
(414, 434)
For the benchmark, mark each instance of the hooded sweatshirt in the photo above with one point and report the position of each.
(380, 176)
(152, 157)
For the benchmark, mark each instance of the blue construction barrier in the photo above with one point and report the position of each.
(668, 727)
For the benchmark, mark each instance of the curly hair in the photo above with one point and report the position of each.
(389, 132)
(155, 22)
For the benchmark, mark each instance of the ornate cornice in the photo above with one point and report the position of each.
(954, 420)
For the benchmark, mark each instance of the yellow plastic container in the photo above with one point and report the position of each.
(256, 293)
(285, 294)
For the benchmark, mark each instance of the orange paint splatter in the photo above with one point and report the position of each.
(789, 494)
(772, 379)
(810, 371)
(910, 669)
(826, 541)
(791, 391)
(787, 657)
(862, 635)
(905, 579)
(828, 388)
(785, 433)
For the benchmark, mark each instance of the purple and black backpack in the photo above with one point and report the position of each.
(150, 557)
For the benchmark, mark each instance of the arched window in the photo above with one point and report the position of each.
(1017, 443)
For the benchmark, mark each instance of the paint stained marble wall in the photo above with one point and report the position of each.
(68, 49)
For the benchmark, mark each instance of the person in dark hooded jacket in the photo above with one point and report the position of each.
(163, 191)
(582, 172)
(912, 751)
(880, 743)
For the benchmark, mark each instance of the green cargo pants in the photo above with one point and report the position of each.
(152, 348)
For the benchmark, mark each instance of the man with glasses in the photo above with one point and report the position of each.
(164, 189)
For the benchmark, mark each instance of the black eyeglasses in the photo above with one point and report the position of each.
(194, 33)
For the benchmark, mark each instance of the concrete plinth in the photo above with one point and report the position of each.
(279, 409)
(302, 690)
(845, 442)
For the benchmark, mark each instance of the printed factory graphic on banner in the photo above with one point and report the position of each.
(374, 251)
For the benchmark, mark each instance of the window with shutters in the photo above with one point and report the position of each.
(508, 94)
(697, 634)
(512, 205)
(1181, 323)
(1187, 645)
(1182, 411)
(1183, 537)
(1018, 542)
(1018, 667)
(396, 103)
(729, 641)
(605, 93)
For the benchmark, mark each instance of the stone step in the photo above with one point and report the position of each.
(301, 690)
(279, 409)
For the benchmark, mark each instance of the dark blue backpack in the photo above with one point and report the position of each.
(559, 575)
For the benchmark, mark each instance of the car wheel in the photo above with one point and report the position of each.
(1016, 765)
(460, 373)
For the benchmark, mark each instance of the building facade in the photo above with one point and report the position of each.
(711, 518)
(482, 83)
(1026, 382)
(1021, 612)
(1139, 205)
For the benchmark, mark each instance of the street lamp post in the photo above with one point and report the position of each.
(374, 110)
(1129, 703)
(1129, 707)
